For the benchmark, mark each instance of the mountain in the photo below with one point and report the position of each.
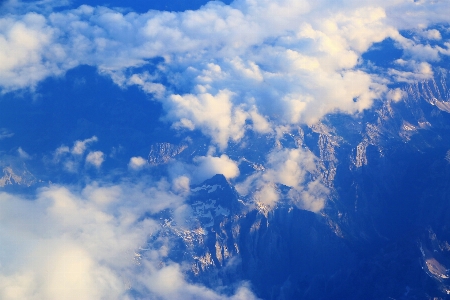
(161, 153)
(15, 174)
(383, 235)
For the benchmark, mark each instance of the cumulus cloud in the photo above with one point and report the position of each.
(396, 95)
(230, 67)
(208, 166)
(137, 163)
(213, 114)
(308, 73)
(200, 169)
(95, 158)
(295, 168)
(168, 283)
(411, 71)
(144, 81)
(70, 158)
(419, 52)
(69, 243)
(267, 195)
(432, 34)
(227, 69)
(27, 42)
(80, 146)
(406, 15)
(181, 185)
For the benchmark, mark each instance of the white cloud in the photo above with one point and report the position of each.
(70, 244)
(65, 246)
(432, 34)
(411, 71)
(71, 158)
(417, 14)
(200, 169)
(296, 168)
(61, 151)
(80, 146)
(95, 158)
(5, 133)
(213, 114)
(445, 51)
(396, 95)
(289, 167)
(251, 65)
(28, 51)
(23, 154)
(137, 163)
(267, 195)
(260, 123)
(236, 68)
(168, 283)
(145, 82)
(181, 185)
(208, 166)
(419, 52)
(231, 68)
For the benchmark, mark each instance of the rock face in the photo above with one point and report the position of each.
(207, 229)
(283, 253)
(16, 177)
(9, 177)
(161, 153)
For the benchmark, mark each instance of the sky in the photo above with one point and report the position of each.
(223, 73)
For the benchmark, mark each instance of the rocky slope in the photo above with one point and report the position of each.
(385, 228)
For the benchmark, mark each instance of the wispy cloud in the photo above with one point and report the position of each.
(23, 154)
(71, 157)
(5, 133)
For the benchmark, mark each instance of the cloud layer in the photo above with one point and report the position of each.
(84, 243)
(249, 65)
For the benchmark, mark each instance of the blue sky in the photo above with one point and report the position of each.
(86, 89)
